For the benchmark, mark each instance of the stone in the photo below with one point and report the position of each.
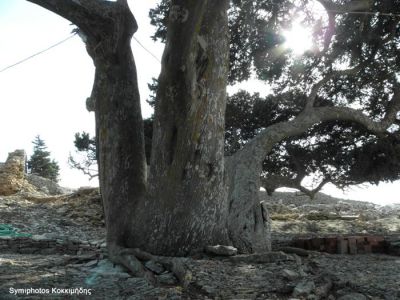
(91, 263)
(167, 278)
(41, 237)
(352, 245)
(221, 250)
(352, 296)
(303, 288)
(12, 173)
(46, 186)
(342, 246)
(267, 257)
(289, 274)
(154, 267)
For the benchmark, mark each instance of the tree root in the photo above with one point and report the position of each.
(128, 259)
(132, 258)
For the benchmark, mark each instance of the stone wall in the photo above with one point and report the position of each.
(12, 173)
(44, 246)
(351, 244)
(13, 178)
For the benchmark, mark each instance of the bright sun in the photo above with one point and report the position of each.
(298, 39)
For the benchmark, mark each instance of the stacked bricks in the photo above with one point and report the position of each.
(344, 244)
(25, 245)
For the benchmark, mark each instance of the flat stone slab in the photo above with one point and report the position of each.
(221, 250)
(267, 257)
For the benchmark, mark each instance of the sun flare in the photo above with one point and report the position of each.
(298, 39)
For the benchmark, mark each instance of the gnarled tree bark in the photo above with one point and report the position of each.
(107, 29)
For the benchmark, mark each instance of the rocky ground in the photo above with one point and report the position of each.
(293, 214)
(64, 255)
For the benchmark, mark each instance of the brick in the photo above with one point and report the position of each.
(375, 239)
(317, 244)
(367, 249)
(331, 244)
(342, 246)
(378, 244)
(352, 245)
(299, 243)
(361, 243)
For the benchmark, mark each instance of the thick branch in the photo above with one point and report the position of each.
(330, 31)
(86, 14)
(262, 144)
(273, 182)
(79, 12)
(334, 74)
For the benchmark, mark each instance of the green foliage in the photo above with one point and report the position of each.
(40, 162)
(86, 150)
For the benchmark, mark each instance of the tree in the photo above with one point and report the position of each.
(193, 196)
(40, 163)
(86, 149)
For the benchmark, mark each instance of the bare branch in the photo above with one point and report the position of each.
(84, 167)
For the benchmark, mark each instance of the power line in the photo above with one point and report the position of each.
(156, 58)
(148, 51)
(377, 13)
(38, 53)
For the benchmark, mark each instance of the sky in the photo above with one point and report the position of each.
(46, 95)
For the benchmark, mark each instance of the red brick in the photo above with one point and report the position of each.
(367, 249)
(342, 246)
(331, 245)
(375, 239)
(352, 245)
(361, 243)
(377, 243)
(300, 243)
(317, 244)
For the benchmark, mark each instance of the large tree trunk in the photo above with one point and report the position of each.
(248, 221)
(187, 195)
(120, 139)
(107, 29)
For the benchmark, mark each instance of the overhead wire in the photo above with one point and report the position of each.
(61, 42)
(38, 53)
(147, 50)
(156, 58)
